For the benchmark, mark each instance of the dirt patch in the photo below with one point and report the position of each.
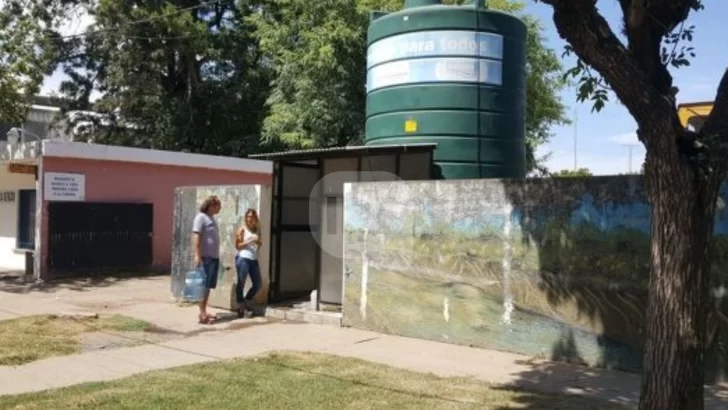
(112, 340)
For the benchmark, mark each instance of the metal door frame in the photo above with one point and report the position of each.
(293, 159)
(279, 199)
(323, 201)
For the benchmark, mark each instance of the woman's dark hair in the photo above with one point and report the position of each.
(210, 201)
(253, 212)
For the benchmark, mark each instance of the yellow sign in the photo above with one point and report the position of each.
(410, 126)
(21, 169)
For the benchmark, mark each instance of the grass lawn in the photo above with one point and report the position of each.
(31, 338)
(292, 381)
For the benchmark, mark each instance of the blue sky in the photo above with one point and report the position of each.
(600, 136)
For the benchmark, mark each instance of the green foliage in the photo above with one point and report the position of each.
(591, 85)
(670, 53)
(543, 86)
(183, 75)
(29, 43)
(224, 77)
(318, 53)
(581, 172)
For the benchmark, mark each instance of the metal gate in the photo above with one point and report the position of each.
(95, 235)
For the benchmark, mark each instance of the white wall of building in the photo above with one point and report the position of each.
(10, 258)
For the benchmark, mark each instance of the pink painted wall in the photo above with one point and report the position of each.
(108, 181)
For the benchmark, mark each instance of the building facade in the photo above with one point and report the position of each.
(42, 122)
(59, 196)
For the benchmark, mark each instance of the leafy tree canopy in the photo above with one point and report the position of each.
(29, 46)
(236, 77)
(180, 75)
(318, 54)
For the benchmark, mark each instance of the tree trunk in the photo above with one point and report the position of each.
(683, 209)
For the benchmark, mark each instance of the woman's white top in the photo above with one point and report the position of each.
(249, 251)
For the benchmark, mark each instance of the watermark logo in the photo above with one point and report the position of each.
(326, 206)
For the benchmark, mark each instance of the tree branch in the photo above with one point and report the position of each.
(646, 23)
(644, 35)
(580, 24)
(660, 17)
(667, 14)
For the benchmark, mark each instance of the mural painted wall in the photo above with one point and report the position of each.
(235, 201)
(554, 268)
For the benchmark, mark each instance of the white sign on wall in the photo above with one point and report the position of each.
(64, 187)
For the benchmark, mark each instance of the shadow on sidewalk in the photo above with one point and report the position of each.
(616, 387)
(17, 282)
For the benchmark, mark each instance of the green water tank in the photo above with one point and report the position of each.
(451, 75)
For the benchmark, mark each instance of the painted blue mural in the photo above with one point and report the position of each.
(556, 268)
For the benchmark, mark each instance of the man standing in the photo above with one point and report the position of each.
(206, 248)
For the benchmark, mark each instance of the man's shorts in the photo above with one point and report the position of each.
(211, 266)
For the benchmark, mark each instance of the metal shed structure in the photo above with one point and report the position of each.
(306, 257)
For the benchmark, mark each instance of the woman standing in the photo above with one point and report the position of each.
(247, 242)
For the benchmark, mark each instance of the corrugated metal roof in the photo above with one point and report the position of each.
(348, 151)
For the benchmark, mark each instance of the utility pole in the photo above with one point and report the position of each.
(576, 135)
(629, 156)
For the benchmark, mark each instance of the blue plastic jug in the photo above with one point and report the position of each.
(194, 285)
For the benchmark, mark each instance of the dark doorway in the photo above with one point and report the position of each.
(26, 219)
(294, 256)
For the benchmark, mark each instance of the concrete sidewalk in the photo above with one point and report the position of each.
(148, 299)
(418, 355)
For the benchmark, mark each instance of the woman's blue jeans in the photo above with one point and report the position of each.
(246, 267)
